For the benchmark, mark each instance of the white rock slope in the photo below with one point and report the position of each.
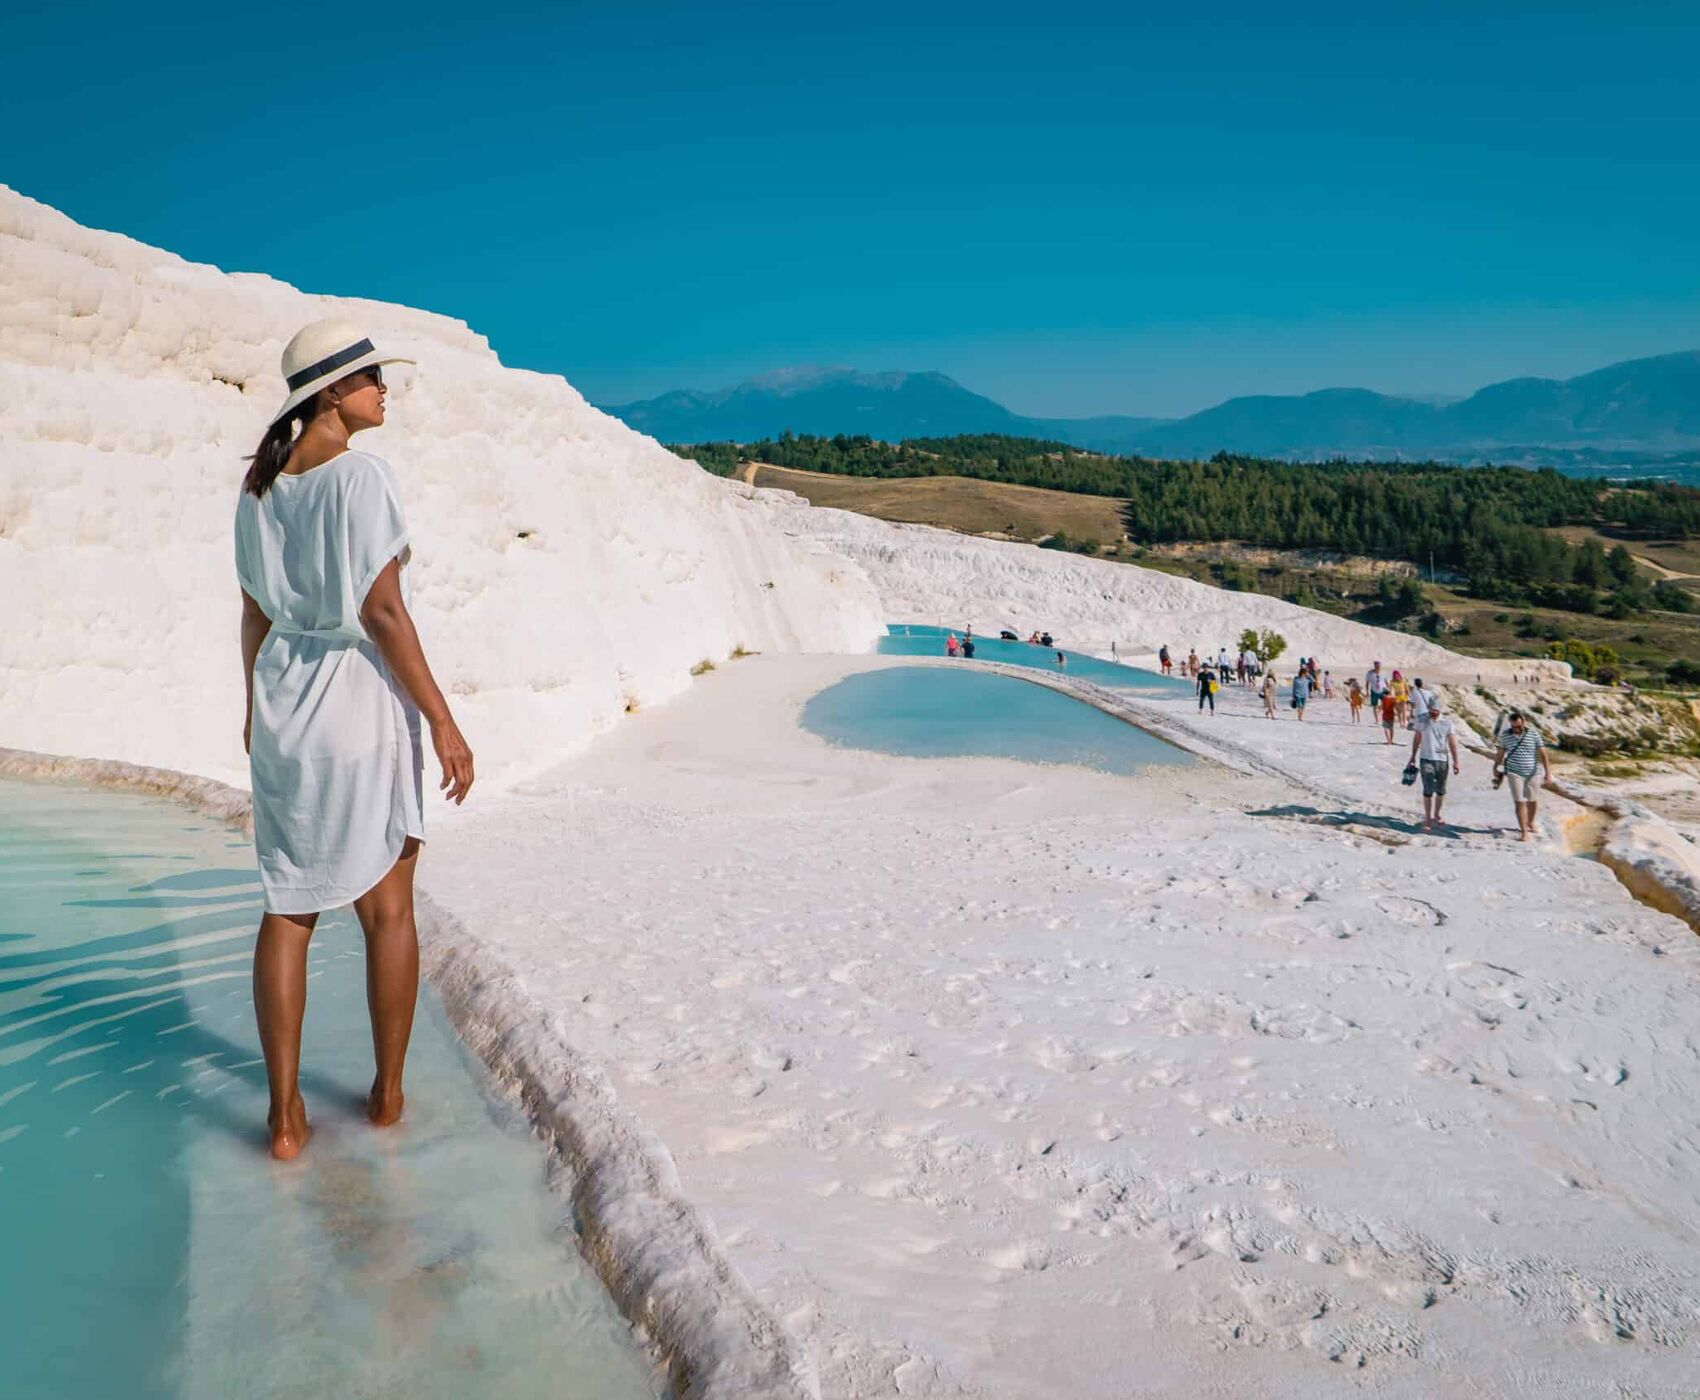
(566, 567)
(929, 575)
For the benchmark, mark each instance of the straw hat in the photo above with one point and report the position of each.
(324, 352)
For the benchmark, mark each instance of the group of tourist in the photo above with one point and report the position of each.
(964, 646)
(1245, 667)
(1395, 703)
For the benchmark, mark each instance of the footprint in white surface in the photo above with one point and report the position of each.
(725, 1140)
(1310, 1023)
(1419, 913)
(1487, 990)
(1028, 1256)
(1280, 1303)
(1062, 1054)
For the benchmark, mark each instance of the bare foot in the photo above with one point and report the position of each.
(1524, 836)
(290, 1130)
(383, 1109)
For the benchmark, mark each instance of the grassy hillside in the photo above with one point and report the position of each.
(1347, 585)
(1027, 513)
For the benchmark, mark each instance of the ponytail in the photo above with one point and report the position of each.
(272, 455)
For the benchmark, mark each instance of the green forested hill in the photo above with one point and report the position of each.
(1492, 525)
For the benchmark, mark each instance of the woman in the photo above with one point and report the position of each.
(1301, 692)
(1401, 699)
(336, 684)
(1269, 694)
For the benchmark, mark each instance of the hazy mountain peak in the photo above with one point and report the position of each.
(1650, 405)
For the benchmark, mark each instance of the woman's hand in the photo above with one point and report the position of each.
(455, 757)
(248, 734)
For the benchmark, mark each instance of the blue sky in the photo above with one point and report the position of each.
(1073, 208)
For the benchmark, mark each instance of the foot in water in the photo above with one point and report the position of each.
(383, 1108)
(290, 1130)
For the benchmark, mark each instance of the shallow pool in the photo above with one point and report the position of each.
(151, 1248)
(940, 712)
(911, 639)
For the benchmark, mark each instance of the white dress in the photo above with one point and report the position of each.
(335, 754)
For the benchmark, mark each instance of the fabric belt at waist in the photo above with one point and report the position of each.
(324, 634)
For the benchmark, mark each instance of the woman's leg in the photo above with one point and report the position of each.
(280, 1000)
(392, 978)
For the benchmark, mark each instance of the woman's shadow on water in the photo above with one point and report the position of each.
(100, 996)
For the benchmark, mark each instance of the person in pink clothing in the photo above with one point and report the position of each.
(951, 645)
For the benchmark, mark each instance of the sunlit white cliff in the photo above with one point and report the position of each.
(565, 567)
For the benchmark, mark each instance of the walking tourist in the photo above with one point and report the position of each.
(1301, 692)
(1164, 661)
(1422, 700)
(1269, 694)
(1375, 682)
(337, 683)
(1389, 714)
(1401, 699)
(1207, 689)
(1327, 685)
(951, 645)
(1355, 698)
(1520, 750)
(1434, 750)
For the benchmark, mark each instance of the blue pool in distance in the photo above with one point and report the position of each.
(911, 639)
(150, 1248)
(939, 712)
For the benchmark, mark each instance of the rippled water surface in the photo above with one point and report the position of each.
(149, 1246)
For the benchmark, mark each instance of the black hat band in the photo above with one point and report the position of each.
(329, 363)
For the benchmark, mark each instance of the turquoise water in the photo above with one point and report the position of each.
(938, 712)
(906, 639)
(150, 1246)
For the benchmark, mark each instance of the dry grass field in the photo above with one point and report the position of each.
(1664, 559)
(957, 503)
(1339, 585)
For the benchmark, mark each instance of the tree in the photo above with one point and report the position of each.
(1672, 597)
(1265, 646)
(1683, 673)
(1583, 659)
(1401, 597)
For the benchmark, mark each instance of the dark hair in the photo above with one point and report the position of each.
(272, 455)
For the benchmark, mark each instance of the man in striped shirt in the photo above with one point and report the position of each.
(1520, 752)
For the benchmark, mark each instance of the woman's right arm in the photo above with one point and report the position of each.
(255, 626)
(387, 622)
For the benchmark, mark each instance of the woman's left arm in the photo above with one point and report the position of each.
(255, 626)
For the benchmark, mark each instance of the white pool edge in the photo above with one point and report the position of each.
(653, 1251)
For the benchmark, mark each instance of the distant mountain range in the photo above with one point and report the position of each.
(1637, 411)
